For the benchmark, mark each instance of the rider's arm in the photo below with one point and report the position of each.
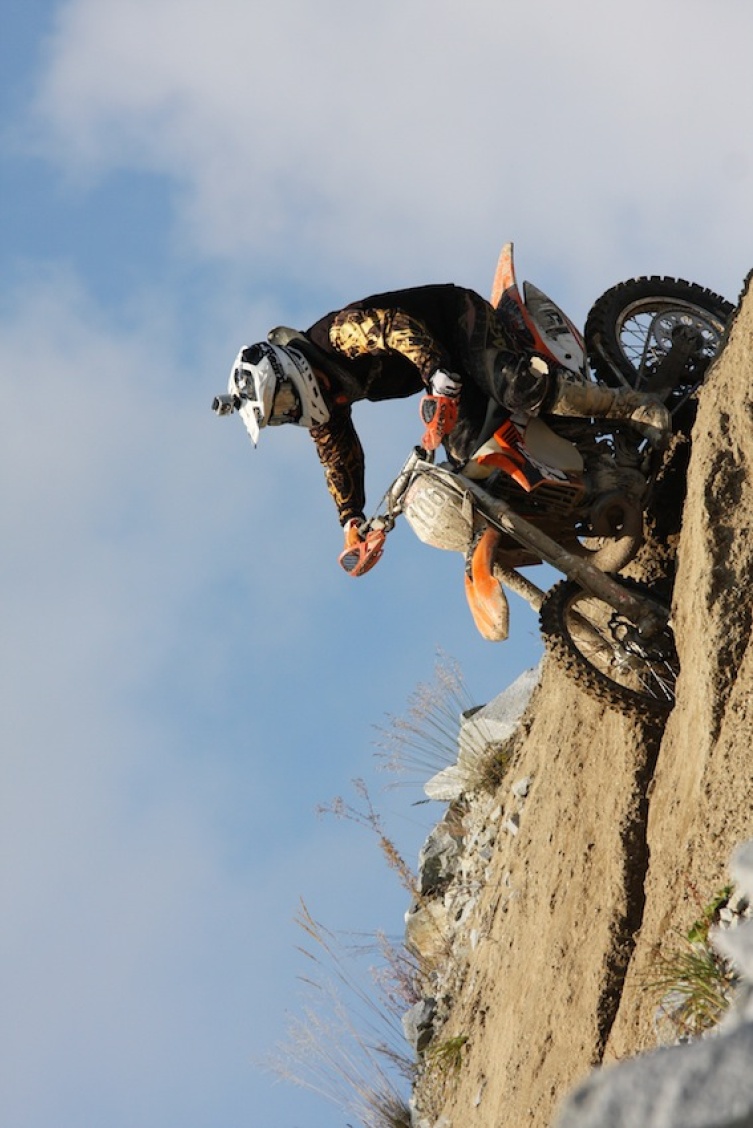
(367, 332)
(341, 454)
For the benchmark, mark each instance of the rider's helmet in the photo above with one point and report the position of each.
(270, 385)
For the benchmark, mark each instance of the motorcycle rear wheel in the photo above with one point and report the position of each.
(629, 330)
(604, 652)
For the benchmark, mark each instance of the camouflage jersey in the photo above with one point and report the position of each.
(387, 346)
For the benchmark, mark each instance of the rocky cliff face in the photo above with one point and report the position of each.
(608, 834)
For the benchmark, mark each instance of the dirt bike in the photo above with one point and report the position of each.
(572, 493)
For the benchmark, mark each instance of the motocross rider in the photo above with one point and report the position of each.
(443, 340)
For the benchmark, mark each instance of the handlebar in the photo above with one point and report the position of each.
(392, 500)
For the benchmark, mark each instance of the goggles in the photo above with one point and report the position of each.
(286, 404)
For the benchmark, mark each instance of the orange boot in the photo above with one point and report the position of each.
(483, 591)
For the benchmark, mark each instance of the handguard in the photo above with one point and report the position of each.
(439, 414)
(361, 552)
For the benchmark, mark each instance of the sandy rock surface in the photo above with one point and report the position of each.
(627, 828)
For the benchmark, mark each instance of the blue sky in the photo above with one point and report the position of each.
(186, 673)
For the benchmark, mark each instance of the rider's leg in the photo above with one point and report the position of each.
(485, 595)
(575, 398)
(522, 383)
(529, 384)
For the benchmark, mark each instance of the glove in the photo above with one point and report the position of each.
(361, 552)
(439, 410)
(445, 383)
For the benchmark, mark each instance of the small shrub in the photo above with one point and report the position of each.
(426, 738)
(696, 987)
(447, 1056)
(495, 765)
(699, 931)
(696, 983)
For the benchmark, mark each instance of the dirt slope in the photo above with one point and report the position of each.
(626, 829)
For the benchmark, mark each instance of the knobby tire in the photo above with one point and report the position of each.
(613, 326)
(582, 634)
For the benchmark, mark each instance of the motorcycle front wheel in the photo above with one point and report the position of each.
(605, 653)
(629, 331)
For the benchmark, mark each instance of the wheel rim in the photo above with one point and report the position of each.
(644, 331)
(612, 646)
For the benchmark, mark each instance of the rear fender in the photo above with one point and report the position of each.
(537, 320)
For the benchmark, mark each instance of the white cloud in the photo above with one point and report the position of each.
(345, 143)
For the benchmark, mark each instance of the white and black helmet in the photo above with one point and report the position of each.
(270, 385)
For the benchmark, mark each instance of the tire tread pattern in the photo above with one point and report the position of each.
(602, 345)
(558, 643)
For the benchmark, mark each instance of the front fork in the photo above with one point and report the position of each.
(646, 614)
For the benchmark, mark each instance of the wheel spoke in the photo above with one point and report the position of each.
(605, 652)
(629, 330)
(646, 329)
(598, 629)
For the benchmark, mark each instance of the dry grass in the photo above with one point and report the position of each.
(425, 740)
(695, 985)
(694, 982)
(368, 817)
(347, 1045)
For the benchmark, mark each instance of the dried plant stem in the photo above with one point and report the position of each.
(354, 1055)
(369, 818)
(426, 739)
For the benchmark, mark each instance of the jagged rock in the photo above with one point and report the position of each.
(521, 787)
(502, 714)
(441, 928)
(448, 784)
(486, 728)
(739, 902)
(418, 1024)
(443, 1122)
(437, 859)
(427, 931)
(707, 1084)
